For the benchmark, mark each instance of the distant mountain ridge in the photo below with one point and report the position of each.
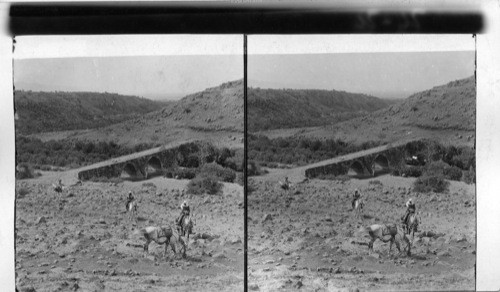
(287, 108)
(59, 111)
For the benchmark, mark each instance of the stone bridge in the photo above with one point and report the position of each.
(364, 163)
(139, 165)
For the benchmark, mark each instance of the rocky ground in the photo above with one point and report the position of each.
(308, 238)
(81, 239)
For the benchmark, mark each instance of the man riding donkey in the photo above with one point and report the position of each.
(410, 209)
(357, 196)
(130, 199)
(59, 186)
(286, 184)
(185, 211)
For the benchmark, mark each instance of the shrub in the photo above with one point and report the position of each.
(192, 161)
(22, 192)
(45, 167)
(453, 173)
(24, 171)
(180, 173)
(436, 168)
(218, 172)
(469, 176)
(430, 183)
(103, 179)
(240, 179)
(223, 155)
(375, 182)
(204, 185)
(342, 177)
(440, 168)
(411, 171)
(254, 169)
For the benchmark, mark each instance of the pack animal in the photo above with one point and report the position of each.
(379, 231)
(161, 235)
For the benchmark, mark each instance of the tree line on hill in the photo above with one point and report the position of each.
(288, 108)
(60, 111)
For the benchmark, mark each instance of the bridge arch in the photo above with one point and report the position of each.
(153, 166)
(129, 171)
(356, 169)
(380, 164)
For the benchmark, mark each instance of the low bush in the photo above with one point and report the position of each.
(430, 183)
(253, 169)
(218, 172)
(240, 179)
(469, 176)
(22, 192)
(407, 171)
(412, 171)
(375, 182)
(441, 168)
(453, 173)
(342, 177)
(24, 171)
(204, 185)
(103, 179)
(180, 173)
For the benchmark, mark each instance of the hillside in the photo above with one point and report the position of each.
(213, 109)
(287, 108)
(39, 112)
(446, 113)
(214, 114)
(450, 106)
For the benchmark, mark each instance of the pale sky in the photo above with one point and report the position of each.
(385, 75)
(388, 66)
(151, 66)
(154, 77)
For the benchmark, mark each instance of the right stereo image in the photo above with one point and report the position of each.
(361, 163)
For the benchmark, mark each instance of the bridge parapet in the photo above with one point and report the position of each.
(136, 165)
(363, 163)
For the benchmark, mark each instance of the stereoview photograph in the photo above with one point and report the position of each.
(129, 167)
(361, 166)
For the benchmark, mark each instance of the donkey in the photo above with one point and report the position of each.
(160, 235)
(378, 231)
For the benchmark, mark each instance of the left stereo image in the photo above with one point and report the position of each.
(129, 163)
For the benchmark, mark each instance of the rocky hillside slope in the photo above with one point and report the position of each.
(446, 113)
(287, 108)
(449, 106)
(216, 108)
(214, 114)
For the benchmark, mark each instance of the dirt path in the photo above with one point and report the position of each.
(308, 237)
(83, 239)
